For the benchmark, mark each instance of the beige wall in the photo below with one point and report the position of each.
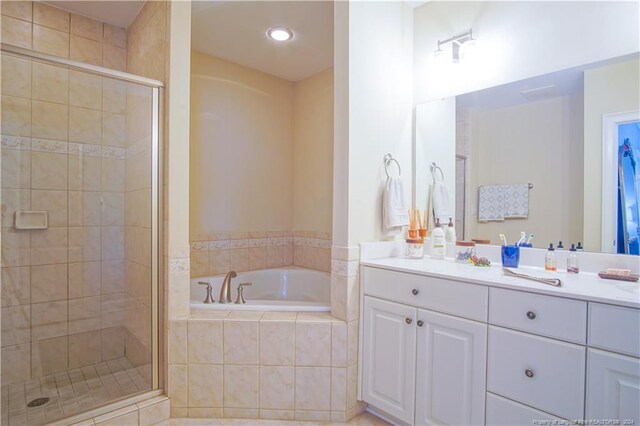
(261, 167)
(313, 152)
(539, 143)
(241, 162)
(603, 97)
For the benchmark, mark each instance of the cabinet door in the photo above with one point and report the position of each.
(613, 387)
(389, 351)
(451, 371)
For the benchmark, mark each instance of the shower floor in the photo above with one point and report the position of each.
(70, 392)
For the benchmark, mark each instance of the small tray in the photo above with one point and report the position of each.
(630, 278)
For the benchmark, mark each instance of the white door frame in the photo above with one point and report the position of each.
(609, 222)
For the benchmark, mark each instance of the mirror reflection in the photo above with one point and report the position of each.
(554, 156)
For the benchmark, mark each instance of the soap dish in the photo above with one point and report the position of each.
(630, 278)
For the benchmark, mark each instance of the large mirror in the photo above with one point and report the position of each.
(529, 115)
(556, 156)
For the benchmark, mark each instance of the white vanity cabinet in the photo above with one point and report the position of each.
(451, 367)
(438, 351)
(389, 357)
(613, 364)
(423, 366)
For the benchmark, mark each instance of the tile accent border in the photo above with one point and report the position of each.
(179, 266)
(344, 268)
(63, 147)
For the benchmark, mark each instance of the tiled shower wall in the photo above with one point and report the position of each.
(46, 29)
(248, 251)
(67, 298)
(63, 152)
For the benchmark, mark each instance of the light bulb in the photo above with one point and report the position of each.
(280, 33)
(439, 56)
(469, 50)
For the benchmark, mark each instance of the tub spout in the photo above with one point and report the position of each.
(225, 290)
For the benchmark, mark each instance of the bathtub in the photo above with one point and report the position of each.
(279, 289)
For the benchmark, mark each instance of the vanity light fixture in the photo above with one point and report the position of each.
(280, 33)
(462, 47)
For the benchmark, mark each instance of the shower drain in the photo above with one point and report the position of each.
(38, 402)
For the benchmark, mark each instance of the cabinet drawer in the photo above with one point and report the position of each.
(550, 316)
(543, 373)
(614, 328)
(450, 297)
(504, 412)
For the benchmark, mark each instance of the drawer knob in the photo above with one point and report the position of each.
(415, 291)
(420, 323)
(531, 315)
(408, 320)
(529, 373)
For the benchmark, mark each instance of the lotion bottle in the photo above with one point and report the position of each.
(438, 242)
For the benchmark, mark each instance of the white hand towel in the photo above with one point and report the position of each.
(516, 201)
(491, 203)
(393, 208)
(441, 205)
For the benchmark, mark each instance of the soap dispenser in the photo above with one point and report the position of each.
(559, 246)
(572, 261)
(450, 233)
(438, 242)
(579, 248)
(550, 261)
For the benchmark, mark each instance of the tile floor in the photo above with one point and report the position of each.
(71, 392)
(364, 419)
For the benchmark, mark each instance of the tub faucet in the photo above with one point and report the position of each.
(208, 299)
(240, 299)
(225, 290)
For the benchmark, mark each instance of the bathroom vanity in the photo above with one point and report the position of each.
(451, 344)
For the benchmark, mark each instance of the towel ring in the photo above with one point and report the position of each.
(388, 159)
(434, 168)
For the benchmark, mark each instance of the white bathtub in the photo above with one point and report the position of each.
(279, 289)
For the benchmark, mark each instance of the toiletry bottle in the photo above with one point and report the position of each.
(550, 261)
(579, 247)
(438, 242)
(450, 233)
(559, 246)
(572, 261)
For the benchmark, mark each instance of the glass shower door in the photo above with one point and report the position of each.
(77, 237)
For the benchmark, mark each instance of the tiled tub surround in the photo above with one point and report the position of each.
(47, 29)
(270, 365)
(248, 251)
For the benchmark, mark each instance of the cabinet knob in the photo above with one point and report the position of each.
(415, 291)
(408, 320)
(531, 315)
(529, 373)
(420, 323)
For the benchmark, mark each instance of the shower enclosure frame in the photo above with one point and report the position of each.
(157, 88)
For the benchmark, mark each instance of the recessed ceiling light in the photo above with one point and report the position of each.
(280, 33)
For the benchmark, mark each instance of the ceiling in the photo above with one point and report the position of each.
(114, 12)
(236, 31)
